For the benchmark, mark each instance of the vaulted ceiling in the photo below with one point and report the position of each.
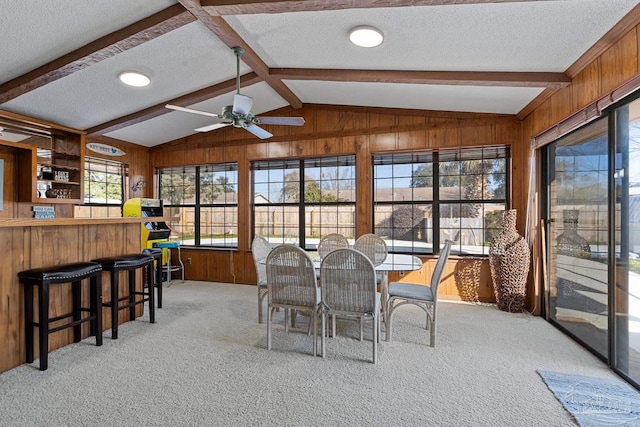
(61, 60)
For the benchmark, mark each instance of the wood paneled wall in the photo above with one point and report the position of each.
(332, 130)
(39, 246)
(136, 156)
(613, 67)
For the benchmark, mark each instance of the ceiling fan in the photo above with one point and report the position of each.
(239, 114)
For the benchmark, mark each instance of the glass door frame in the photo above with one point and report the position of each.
(614, 326)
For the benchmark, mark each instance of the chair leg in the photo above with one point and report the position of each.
(96, 306)
(376, 325)
(152, 294)
(131, 274)
(269, 319)
(324, 330)
(388, 322)
(259, 306)
(158, 280)
(286, 320)
(333, 325)
(315, 332)
(76, 297)
(432, 340)
(114, 304)
(432, 326)
(43, 329)
(28, 323)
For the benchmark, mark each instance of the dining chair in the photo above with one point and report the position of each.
(348, 286)
(292, 286)
(425, 297)
(375, 248)
(331, 242)
(260, 248)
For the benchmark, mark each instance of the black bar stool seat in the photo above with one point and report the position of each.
(156, 253)
(43, 277)
(129, 263)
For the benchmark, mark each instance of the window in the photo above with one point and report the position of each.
(423, 199)
(327, 204)
(202, 202)
(104, 182)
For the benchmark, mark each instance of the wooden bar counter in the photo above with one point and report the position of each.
(33, 243)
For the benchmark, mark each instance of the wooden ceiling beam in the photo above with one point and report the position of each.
(105, 47)
(246, 7)
(218, 26)
(183, 101)
(466, 78)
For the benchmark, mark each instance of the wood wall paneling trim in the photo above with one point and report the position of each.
(586, 114)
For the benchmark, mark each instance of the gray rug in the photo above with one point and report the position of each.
(205, 363)
(595, 401)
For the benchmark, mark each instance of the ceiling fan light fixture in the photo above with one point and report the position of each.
(366, 36)
(134, 78)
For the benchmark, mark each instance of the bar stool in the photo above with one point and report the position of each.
(156, 253)
(72, 273)
(129, 263)
(169, 267)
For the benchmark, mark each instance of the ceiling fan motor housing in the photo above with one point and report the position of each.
(227, 114)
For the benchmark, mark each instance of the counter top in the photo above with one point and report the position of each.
(32, 222)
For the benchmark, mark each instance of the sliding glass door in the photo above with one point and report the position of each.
(592, 212)
(627, 239)
(577, 239)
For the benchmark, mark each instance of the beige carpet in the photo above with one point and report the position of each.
(205, 363)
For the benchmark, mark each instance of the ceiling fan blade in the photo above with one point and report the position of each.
(242, 104)
(290, 121)
(258, 131)
(191, 110)
(212, 127)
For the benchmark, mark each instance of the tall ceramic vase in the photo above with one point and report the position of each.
(509, 260)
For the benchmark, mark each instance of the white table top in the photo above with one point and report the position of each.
(400, 262)
(393, 262)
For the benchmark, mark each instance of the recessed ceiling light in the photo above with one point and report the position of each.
(366, 36)
(134, 78)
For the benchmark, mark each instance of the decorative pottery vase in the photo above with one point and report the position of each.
(509, 259)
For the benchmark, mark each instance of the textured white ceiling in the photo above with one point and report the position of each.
(35, 32)
(477, 99)
(531, 36)
(179, 62)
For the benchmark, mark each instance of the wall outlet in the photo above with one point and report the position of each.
(401, 273)
(189, 261)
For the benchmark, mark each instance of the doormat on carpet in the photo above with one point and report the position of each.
(595, 402)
